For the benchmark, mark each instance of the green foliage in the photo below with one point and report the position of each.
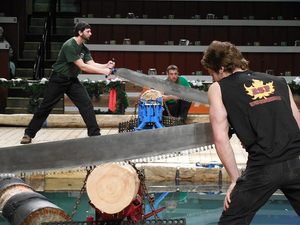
(36, 89)
(200, 85)
(295, 88)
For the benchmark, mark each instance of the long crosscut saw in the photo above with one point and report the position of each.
(91, 151)
(72, 154)
(167, 87)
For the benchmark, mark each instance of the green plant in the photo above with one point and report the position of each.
(36, 89)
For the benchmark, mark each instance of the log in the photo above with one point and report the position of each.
(10, 187)
(63, 120)
(20, 204)
(75, 120)
(112, 187)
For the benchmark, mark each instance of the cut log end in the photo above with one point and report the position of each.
(112, 187)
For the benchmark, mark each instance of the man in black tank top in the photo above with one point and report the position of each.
(261, 110)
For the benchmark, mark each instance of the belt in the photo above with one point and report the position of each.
(63, 76)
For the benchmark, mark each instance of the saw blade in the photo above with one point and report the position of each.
(167, 87)
(82, 152)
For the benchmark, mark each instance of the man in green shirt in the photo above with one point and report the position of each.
(177, 107)
(73, 58)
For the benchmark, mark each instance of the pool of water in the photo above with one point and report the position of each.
(198, 207)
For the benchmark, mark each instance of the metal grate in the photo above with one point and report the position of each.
(129, 126)
(179, 221)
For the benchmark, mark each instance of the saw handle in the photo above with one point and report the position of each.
(112, 69)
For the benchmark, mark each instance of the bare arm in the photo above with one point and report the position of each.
(92, 67)
(294, 108)
(169, 97)
(110, 64)
(220, 126)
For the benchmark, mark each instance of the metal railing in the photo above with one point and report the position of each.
(44, 47)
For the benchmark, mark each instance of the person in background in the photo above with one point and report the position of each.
(261, 110)
(73, 58)
(11, 63)
(177, 107)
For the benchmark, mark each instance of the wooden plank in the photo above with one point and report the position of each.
(53, 136)
(14, 137)
(41, 136)
(113, 131)
(63, 184)
(74, 133)
(84, 134)
(64, 134)
(8, 134)
(105, 131)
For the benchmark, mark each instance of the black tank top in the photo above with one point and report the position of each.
(259, 110)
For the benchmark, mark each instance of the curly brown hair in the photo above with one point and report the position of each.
(223, 54)
(80, 26)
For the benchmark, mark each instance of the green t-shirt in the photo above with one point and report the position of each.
(69, 53)
(182, 81)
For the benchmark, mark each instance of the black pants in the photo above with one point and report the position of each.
(257, 185)
(179, 108)
(57, 86)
